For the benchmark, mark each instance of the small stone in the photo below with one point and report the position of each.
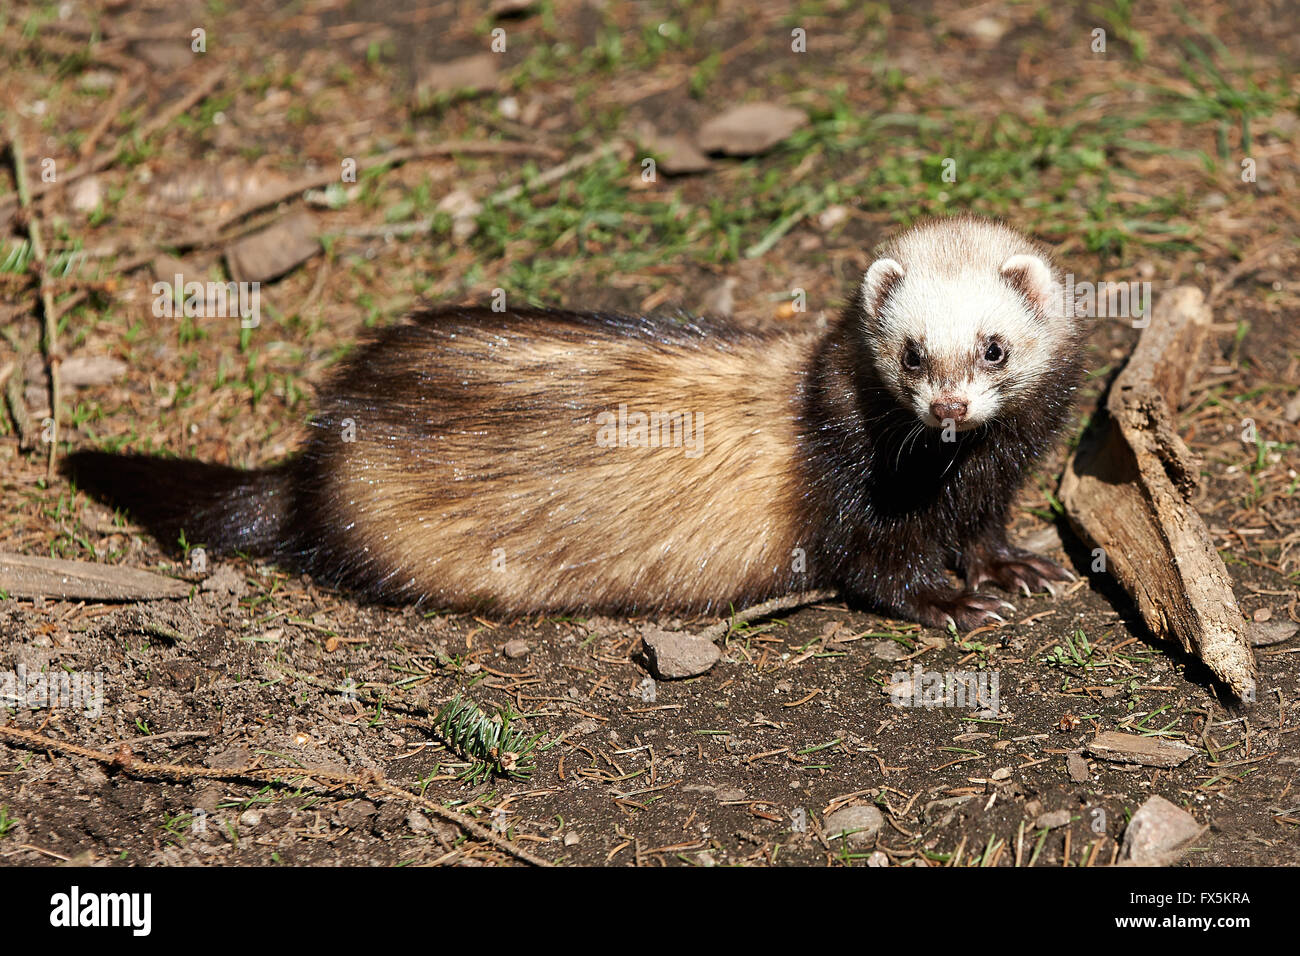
(1045, 540)
(730, 795)
(1158, 834)
(1261, 614)
(1002, 773)
(87, 195)
(705, 858)
(571, 838)
(720, 300)
(225, 580)
(750, 129)
(355, 813)
(516, 649)
(1077, 767)
(677, 154)
(1292, 410)
(887, 650)
(463, 208)
(1270, 632)
(468, 74)
(865, 820)
(80, 371)
(274, 251)
(250, 819)
(832, 216)
(1050, 821)
(418, 822)
(677, 654)
(878, 858)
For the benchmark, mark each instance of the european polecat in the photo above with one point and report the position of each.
(537, 460)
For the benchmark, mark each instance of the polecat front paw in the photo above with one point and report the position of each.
(1015, 569)
(963, 610)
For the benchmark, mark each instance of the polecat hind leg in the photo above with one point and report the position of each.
(1012, 568)
(964, 610)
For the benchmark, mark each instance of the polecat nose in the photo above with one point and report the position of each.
(943, 411)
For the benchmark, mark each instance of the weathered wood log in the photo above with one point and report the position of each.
(1128, 491)
(25, 576)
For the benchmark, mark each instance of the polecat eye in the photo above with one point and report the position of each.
(912, 358)
(995, 354)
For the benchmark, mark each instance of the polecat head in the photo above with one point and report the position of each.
(965, 318)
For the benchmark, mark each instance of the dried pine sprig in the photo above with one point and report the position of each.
(488, 742)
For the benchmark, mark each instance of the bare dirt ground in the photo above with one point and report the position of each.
(1129, 161)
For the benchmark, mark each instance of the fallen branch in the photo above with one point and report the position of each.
(371, 782)
(25, 576)
(1128, 491)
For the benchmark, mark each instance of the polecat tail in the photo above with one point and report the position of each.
(224, 509)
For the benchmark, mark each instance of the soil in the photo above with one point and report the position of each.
(741, 765)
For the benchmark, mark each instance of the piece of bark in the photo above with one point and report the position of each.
(25, 576)
(1128, 490)
(1147, 751)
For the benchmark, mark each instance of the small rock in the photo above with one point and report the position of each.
(705, 858)
(832, 216)
(516, 649)
(750, 129)
(1002, 773)
(677, 154)
(677, 654)
(878, 858)
(508, 107)
(225, 580)
(887, 650)
(250, 819)
(463, 208)
(418, 822)
(1050, 821)
(987, 30)
(1077, 767)
(942, 810)
(1292, 410)
(720, 300)
(1271, 632)
(87, 194)
(1045, 540)
(1158, 834)
(80, 371)
(866, 820)
(571, 838)
(274, 251)
(355, 813)
(730, 795)
(1261, 614)
(468, 74)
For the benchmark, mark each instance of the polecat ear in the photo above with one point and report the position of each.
(879, 281)
(1032, 278)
